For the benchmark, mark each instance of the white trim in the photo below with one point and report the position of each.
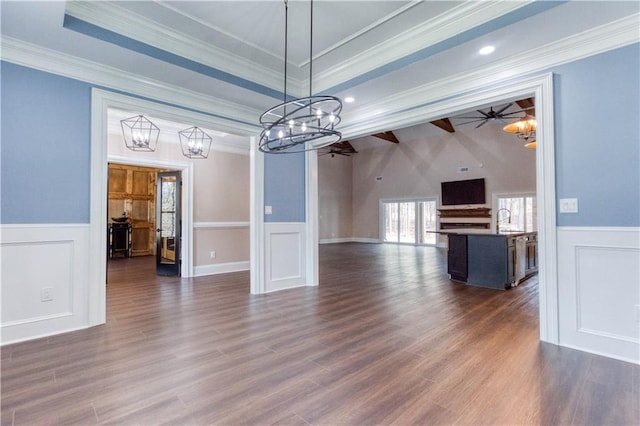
(220, 225)
(382, 47)
(602, 229)
(256, 219)
(350, 240)
(464, 17)
(68, 311)
(442, 93)
(601, 353)
(111, 16)
(366, 240)
(363, 121)
(285, 255)
(546, 208)
(224, 113)
(220, 268)
(36, 319)
(336, 240)
(311, 224)
(24, 226)
(101, 101)
(599, 299)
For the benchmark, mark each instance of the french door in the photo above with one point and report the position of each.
(409, 221)
(169, 223)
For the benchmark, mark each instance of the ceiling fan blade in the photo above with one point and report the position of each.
(516, 112)
(504, 108)
(487, 115)
(482, 124)
(472, 121)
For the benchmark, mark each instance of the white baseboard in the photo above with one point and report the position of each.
(336, 240)
(350, 240)
(220, 268)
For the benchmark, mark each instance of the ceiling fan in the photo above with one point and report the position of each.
(339, 148)
(492, 115)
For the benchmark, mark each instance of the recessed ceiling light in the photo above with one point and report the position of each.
(486, 50)
(349, 99)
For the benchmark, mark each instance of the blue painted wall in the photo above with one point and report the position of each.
(597, 131)
(45, 147)
(597, 146)
(284, 187)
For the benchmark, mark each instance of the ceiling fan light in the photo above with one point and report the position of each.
(523, 125)
(532, 144)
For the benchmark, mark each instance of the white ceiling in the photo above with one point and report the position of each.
(228, 55)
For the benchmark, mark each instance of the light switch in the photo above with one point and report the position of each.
(568, 205)
(268, 210)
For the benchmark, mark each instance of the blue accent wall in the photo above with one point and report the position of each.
(597, 132)
(45, 147)
(284, 187)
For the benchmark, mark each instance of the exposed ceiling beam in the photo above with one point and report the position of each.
(387, 136)
(444, 124)
(528, 105)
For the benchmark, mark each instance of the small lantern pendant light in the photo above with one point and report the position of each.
(195, 143)
(140, 134)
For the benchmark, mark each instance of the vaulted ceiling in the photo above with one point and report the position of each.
(225, 58)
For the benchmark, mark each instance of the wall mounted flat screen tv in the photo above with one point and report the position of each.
(459, 192)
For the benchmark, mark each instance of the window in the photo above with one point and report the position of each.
(409, 221)
(516, 212)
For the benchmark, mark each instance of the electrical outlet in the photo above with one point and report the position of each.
(268, 210)
(46, 294)
(212, 254)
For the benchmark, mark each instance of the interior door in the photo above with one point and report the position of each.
(169, 223)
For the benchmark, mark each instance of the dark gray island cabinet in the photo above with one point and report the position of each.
(498, 261)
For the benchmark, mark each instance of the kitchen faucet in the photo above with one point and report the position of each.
(498, 218)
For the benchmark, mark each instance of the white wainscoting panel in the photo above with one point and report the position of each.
(284, 256)
(55, 257)
(599, 290)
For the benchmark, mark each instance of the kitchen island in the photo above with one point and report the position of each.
(498, 261)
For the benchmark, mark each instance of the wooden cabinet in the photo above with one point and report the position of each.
(132, 190)
(532, 254)
(457, 257)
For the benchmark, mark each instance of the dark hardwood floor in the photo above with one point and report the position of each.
(385, 339)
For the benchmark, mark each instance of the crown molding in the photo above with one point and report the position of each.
(363, 31)
(369, 119)
(238, 119)
(110, 16)
(459, 19)
(227, 116)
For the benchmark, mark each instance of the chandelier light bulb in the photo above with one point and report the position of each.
(332, 118)
(319, 113)
(304, 127)
(291, 123)
(280, 134)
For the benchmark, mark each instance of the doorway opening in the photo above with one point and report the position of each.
(144, 216)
